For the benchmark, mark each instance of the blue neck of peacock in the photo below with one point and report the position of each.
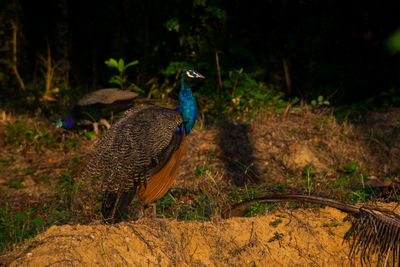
(187, 106)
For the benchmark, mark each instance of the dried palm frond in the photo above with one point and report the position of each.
(374, 231)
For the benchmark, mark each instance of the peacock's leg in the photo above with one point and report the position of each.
(154, 208)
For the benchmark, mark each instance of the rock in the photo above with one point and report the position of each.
(299, 155)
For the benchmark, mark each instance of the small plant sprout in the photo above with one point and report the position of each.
(277, 236)
(121, 79)
(319, 102)
(351, 168)
(276, 222)
(307, 174)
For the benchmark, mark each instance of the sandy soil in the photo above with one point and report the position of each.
(302, 238)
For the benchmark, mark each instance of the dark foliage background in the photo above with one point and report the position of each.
(337, 49)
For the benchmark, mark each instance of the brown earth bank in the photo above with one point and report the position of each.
(271, 150)
(222, 164)
(302, 237)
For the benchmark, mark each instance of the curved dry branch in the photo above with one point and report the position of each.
(374, 232)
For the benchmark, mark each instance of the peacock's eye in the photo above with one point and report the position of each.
(190, 74)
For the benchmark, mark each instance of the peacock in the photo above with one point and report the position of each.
(140, 154)
(96, 105)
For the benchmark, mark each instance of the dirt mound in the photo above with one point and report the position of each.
(224, 164)
(284, 238)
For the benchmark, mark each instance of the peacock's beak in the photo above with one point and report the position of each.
(200, 76)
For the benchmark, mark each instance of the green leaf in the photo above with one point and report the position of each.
(21, 215)
(111, 63)
(133, 87)
(351, 167)
(320, 99)
(131, 63)
(4, 159)
(295, 101)
(393, 43)
(313, 102)
(172, 24)
(121, 65)
(306, 169)
(38, 222)
(257, 95)
(90, 135)
(116, 80)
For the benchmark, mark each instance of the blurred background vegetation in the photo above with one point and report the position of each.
(252, 54)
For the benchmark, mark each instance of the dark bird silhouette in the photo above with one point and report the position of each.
(140, 154)
(97, 105)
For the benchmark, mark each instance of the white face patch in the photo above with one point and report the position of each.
(190, 74)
